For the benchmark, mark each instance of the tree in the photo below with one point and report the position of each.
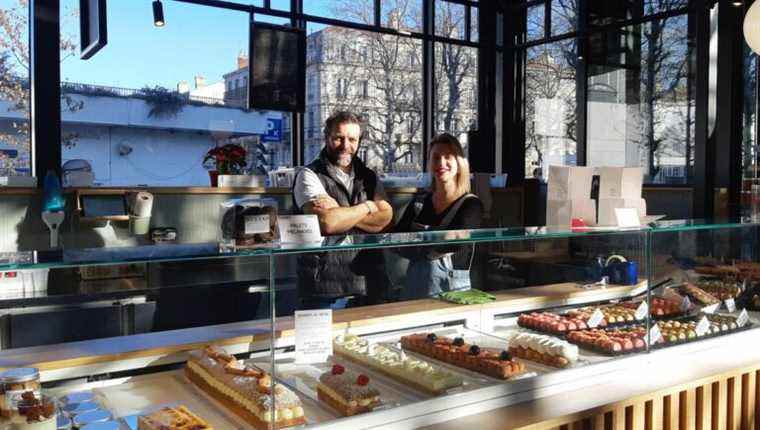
(455, 71)
(14, 70)
(380, 76)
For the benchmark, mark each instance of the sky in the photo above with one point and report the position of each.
(197, 40)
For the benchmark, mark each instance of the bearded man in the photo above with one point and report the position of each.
(348, 199)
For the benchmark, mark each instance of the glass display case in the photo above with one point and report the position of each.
(432, 324)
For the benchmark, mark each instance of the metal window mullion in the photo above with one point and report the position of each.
(428, 71)
(45, 88)
(468, 23)
(297, 123)
(378, 14)
(703, 204)
(581, 85)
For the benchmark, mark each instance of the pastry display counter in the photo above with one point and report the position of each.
(633, 305)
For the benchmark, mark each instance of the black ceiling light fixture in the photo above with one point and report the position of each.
(158, 13)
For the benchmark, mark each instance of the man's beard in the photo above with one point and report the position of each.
(338, 160)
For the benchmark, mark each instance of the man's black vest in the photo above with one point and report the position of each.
(335, 274)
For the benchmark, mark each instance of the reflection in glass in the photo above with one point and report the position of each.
(550, 119)
(640, 107)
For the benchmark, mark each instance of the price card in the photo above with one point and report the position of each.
(642, 311)
(313, 336)
(730, 305)
(711, 309)
(655, 335)
(703, 326)
(743, 318)
(299, 229)
(256, 224)
(595, 319)
(685, 304)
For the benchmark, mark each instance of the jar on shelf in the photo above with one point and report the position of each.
(13, 384)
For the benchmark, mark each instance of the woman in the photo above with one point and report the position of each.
(448, 206)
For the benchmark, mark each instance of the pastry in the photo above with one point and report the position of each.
(613, 314)
(460, 353)
(544, 349)
(417, 373)
(347, 392)
(552, 323)
(244, 390)
(658, 307)
(698, 294)
(172, 418)
(722, 290)
(612, 341)
(34, 413)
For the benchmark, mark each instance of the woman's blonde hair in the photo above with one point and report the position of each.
(463, 166)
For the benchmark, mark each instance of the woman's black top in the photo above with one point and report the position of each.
(469, 215)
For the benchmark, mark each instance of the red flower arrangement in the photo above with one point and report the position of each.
(229, 159)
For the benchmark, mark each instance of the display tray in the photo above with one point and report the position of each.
(484, 341)
(696, 318)
(128, 398)
(303, 379)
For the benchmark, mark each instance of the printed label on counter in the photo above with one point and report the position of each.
(655, 335)
(299, 229)
(731, 305)
(711, 309)
(685, 304)
(743, 318)
(596, 318)
(255, 224)
(642, 311)
(313, 336)
(703, 326)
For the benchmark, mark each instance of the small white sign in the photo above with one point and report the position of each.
(255, 224)
(711, 309)
(730, 305)
(596, 318)
(685, 304)
(642, 311)
(627, 217)
(743, 318)
(655, 335)
(313, 336)
(299, 229)
(703, 326)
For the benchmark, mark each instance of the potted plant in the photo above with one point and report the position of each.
(228, 159)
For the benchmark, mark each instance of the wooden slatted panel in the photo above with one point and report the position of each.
(704, 407)
(757, 400)
(734, 403)
(719, 403)
(670, 411)
(657, 411)
(618, 418)
(598, 422)
(638, 415)
(689, 402)
(747, 379)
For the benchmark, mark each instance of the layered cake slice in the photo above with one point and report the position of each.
(245, 390)
(349, 393)
(460, 353)
(172, 418)
(419, 374)
(543, 349)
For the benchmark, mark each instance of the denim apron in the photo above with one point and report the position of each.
(429, 278)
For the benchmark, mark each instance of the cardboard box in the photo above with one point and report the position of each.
(620, 182)
(569, 183)
(607, 208)
(561, 212)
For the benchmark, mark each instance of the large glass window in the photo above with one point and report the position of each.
(639, 104)
(378, 77)
(456, 90)
(14, 88)
(550, 107)
(142, 111)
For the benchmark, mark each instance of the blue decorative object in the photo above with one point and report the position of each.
(622, 272)
(52, 200)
